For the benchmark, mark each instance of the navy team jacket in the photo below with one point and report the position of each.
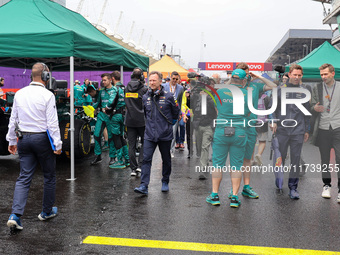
(157, 127)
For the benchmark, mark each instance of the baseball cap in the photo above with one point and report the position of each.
(241, 74)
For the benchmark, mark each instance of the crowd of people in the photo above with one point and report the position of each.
(137, 116)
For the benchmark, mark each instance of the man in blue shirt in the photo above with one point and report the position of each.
(177, 90)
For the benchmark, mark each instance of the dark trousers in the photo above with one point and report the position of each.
(190, 134)
(295, 142)
(328, 139)
(132, 133)
(33, 149)
(149, 149)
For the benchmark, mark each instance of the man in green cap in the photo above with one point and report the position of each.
(230, 137)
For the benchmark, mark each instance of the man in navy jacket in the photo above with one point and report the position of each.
(292, 129)
(161, 110)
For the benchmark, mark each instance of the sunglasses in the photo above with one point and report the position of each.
(175, 79)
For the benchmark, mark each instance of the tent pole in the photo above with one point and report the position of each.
(71, 130)
(147, 75)
(122, 74)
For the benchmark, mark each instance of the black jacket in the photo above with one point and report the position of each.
(200, 120)
(293, 112)
(134, 92)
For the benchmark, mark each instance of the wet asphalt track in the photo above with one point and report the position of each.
(101, 202)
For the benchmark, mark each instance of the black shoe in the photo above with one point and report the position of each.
(96, 160)
(112, 161)
(133, 172)
(202, 177)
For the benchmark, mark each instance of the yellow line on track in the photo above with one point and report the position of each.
(206, 247)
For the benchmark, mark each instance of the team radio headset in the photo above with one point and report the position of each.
(141, 78)
(45, 75)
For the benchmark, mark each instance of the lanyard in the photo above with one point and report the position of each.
(172, 88)
(35, 83)
(329, 97)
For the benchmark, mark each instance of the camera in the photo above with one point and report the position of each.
(198, 81)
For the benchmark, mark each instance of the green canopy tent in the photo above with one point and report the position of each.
(43, 31)
(325, 53)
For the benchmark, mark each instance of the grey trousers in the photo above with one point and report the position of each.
(204, 137)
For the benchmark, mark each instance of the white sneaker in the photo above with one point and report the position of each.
(258, 160)
(338, 200)
(138, 170)
(326, 192)
(172, 154)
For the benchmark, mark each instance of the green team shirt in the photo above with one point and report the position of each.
(78, 95)
(121, 101)
(225, 111)
(257, 89)
(106, 97)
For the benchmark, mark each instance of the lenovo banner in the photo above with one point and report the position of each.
(230, 66)
(255, 66)
(222, 66)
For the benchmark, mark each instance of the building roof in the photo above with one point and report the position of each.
(291, 47)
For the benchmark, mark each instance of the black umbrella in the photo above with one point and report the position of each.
(277, 162)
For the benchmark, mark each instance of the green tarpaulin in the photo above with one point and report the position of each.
(44, 30)
(325, 53)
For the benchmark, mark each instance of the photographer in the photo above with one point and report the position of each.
(203, 124)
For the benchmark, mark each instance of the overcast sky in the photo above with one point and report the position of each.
(234, 30)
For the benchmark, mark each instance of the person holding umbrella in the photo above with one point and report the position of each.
(294, 133)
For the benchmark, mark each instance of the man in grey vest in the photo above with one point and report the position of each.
(325, 107)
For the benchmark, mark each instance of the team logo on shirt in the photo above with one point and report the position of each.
(131, 95)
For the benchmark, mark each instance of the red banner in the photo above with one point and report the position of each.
(227, 66)
(255, 66)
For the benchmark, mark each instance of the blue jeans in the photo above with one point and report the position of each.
(33, 149)
(180, 135)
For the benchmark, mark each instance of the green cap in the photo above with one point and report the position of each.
(241, 74)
